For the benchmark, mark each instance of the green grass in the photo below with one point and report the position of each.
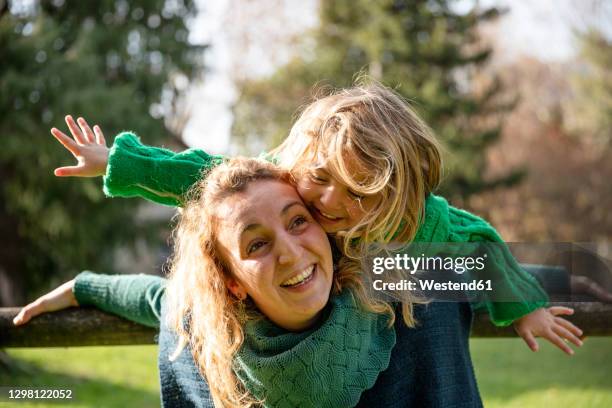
(99, 376)
(509, 375)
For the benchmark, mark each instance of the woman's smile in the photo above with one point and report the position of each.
(300, 280)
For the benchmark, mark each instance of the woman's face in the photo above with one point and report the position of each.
(279, 255)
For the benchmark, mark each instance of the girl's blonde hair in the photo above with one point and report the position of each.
(201, 310)
(369, 127)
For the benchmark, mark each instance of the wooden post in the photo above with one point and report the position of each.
(72, 327)
(92, 327)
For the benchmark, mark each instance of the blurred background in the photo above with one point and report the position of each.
(519, 92)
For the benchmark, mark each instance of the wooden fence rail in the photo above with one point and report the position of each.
(91, 327)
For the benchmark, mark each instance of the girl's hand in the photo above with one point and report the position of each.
(88, 147)
(545, 323)
(60, 298)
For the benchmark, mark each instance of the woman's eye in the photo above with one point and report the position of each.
(298, 221)
(255, 246)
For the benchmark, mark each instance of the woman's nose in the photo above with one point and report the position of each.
(289, 250)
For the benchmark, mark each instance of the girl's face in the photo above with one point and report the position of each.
(277, 252)
(333, 204)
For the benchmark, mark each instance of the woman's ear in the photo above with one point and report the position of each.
(236, 288)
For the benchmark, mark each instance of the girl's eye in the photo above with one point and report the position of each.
(355, 195)
(318, 179)
(255, 246)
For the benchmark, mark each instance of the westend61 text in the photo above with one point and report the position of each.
(430, 284)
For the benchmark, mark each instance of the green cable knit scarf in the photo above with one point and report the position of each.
(327, 366)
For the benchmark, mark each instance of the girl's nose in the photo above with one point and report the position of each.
(331, 197)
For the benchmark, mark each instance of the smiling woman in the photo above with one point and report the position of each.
(282, 258)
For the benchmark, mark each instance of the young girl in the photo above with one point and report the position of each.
(366, 166)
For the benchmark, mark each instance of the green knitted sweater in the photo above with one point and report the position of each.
(163, 176)
(522, 293)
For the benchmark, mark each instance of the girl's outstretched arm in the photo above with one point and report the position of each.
(157, 174)
(518, 299)
(87, 146)
(131, 169)
(135, 297)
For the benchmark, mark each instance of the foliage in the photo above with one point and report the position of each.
(590, 112)
(425, 49)
(566, 194)
(112, 62)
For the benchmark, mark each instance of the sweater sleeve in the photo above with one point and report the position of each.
(157, 174)
(135, 297)
(517, 293)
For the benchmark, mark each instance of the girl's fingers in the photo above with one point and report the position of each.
(530, 340)
(68, 171)
(558, 341)
(567, 335)
(561, 310)
(99, 136)
(569, 326)
(75, 130)
(89, 135)
(66, 141)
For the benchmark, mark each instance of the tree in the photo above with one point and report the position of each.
(117, 63)
(589, 114)
(424, 49)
